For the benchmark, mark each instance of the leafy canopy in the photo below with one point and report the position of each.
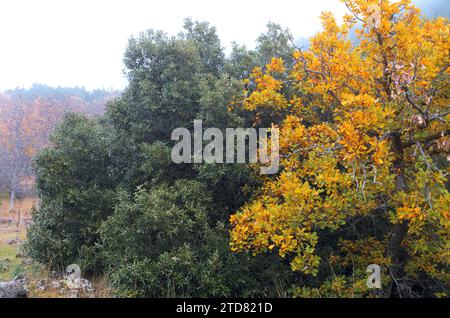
(364, 137)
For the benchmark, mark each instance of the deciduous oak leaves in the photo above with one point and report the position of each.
(365, 135)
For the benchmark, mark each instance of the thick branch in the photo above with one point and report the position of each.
(427, 139)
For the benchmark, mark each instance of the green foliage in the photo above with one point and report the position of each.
(159, 244)
(161, 234)
(276, 42)
(241, 62)
(18, 270)
(76, 189)
(208, 45)
(112, 200)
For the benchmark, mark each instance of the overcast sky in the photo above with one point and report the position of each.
(81, 42)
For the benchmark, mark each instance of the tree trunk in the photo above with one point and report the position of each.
(14, 289)
(18, 224)
(394, 251)
(399, 230)
(12, 199)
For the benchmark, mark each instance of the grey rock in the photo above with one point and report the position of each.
(17, 288)
(11, 242)
(74, 293)
(56, 284)
(41, 285)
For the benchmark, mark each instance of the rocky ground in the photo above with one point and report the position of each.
(17, 270)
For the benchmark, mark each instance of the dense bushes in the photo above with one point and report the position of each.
(77, 193)
(364, 137)
(159, 243)
(112, 201)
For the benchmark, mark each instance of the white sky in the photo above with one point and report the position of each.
(81, 42)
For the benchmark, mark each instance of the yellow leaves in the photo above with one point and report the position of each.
(443, 207)
(265, 98)
(358, 144)
(328, 21)
(338, 101)
(276, 65)
(362, 100)
(380, 151)
(265, 224)
(409, 212)
(233, 219)
(353, 142)
(267, 82)
(293, 133)
(296, 103)
(267, 93)
(307, 264)
(257, 73)
(364, 111)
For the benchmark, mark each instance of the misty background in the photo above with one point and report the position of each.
(81, 43)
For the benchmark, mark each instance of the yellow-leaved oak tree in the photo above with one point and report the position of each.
(364, 149)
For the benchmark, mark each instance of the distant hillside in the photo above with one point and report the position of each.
(76, 99)
(29, 116)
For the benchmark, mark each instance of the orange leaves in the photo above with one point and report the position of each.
(360, 146)
(341, 103)
(267, 93)
(380, 151)
(360, 116)
(265, 98)
(364, 111)
(266, 227)
(353, 141)
(292, 133)
(276, 65)
(297, 55)
(409, 212)
(268, 83)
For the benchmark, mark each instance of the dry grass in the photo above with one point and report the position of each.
(10, 264)
(13, 229)
(24, 205)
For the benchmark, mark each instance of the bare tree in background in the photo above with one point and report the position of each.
(26, 120)
(17, 143)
